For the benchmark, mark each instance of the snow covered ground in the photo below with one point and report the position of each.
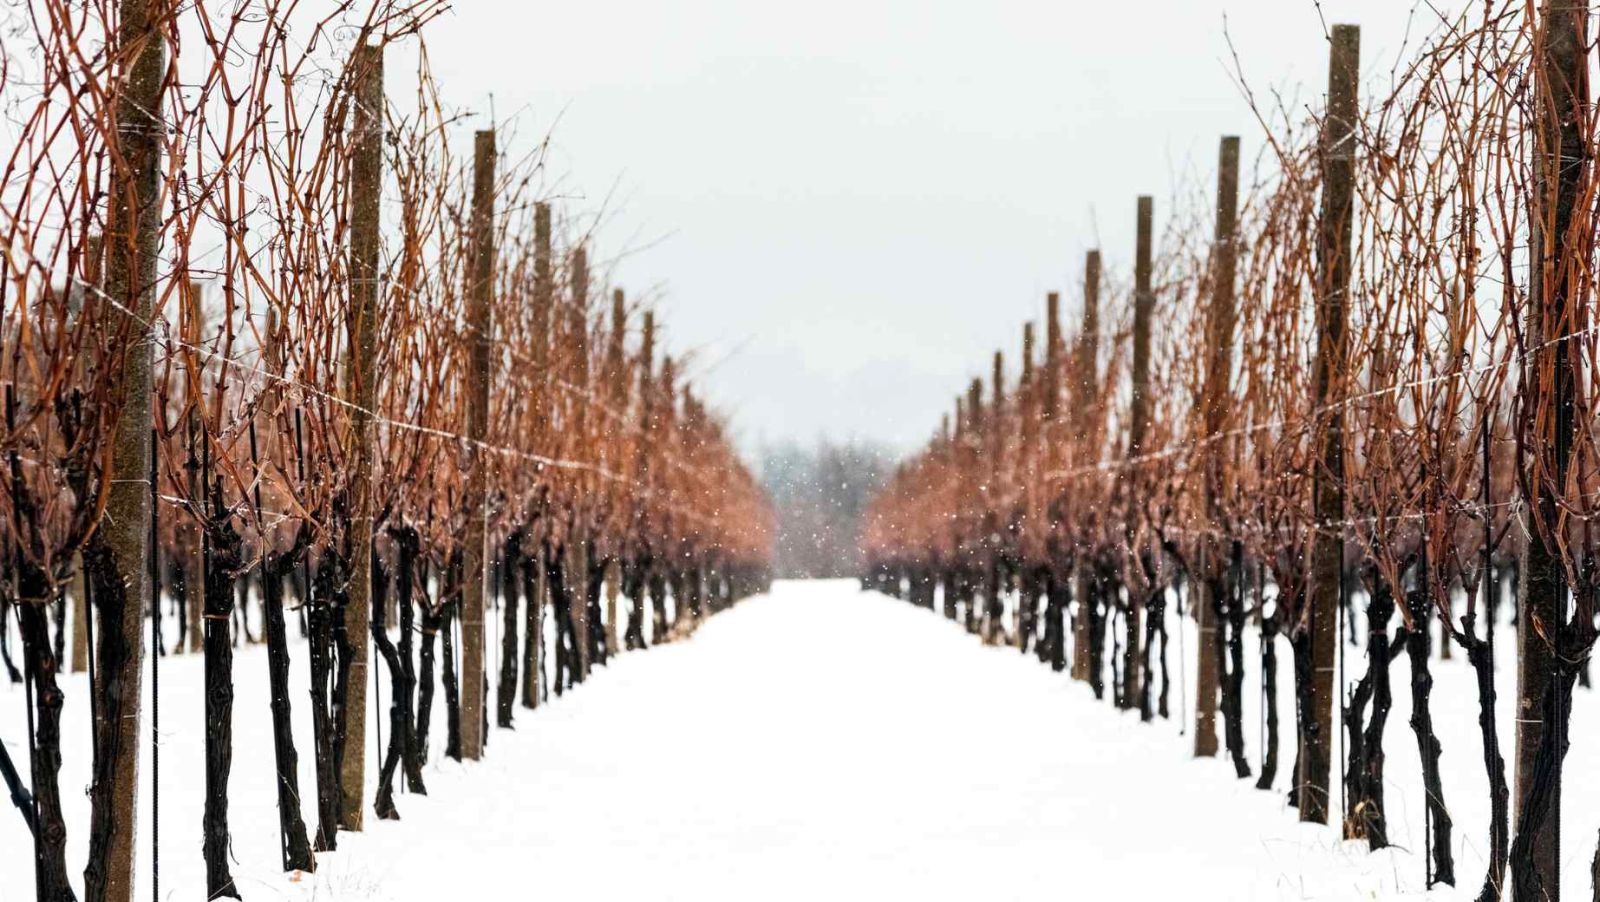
(816, 743)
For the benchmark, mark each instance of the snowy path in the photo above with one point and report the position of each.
(825, 744)
(818, 743)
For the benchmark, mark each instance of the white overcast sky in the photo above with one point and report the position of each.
(857, 201)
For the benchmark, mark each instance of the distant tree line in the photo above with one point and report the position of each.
(819, 494)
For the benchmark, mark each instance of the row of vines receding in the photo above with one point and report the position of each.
(1353, 395)
(279, 353)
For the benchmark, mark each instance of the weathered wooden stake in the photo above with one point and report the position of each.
(366, 188)
(649, 416)
(118, 557)
(475, 574)
(1027, 475)
(1057, 561)
(578, 336)
(973, 450)
(1048, 409)
(994, 450)
(1333, 287)
(1554, 311)
(1084, 392)
(1218, 391)
(543, 291)
(617, 388)
(1138, 425)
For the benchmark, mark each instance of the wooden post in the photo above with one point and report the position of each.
(994, 448)
(1327, 540)
(975, 412)
(651, 554)
(666, 419)
(617, 385)
(1048, 409)
(647, 395)
(648, 413)
(1560, 168)
(973, 452)
(1218, 392)
(543, 291)
(578, 335)
(366, 188)
(1138, 425)
(616, 375)
(543, 302)
(997, 386)
(1056, 562)
(954, 564)
(480, 297)
(119, 555)
(613, 588)
(1027, 353)
(993, 435)
(649, 410)
(1084, 392)
(1027, 474)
